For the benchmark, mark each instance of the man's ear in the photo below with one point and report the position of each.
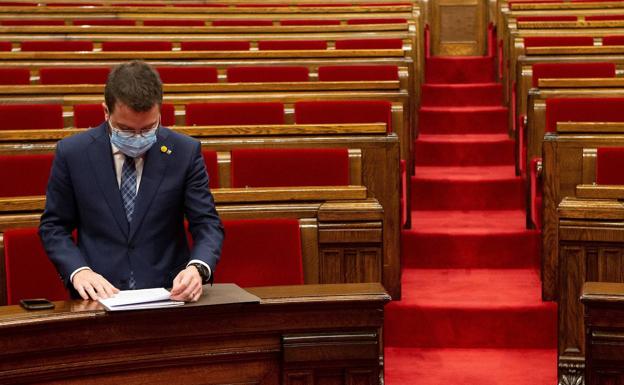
(106, 112)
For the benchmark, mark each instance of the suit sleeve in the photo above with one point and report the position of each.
(59, 220)
(204, 223)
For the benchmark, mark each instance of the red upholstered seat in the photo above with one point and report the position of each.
(14, 76)
(29, 271)
(174, 23)
(547, 18)
(210, 159)
(583, 110)
(33, 22)
(56, 45)
(558, 41)
(285, 45)
(139, 45)
(105, 22)
(604, 17)
(609, 165)
(216, 114)
(74, 75)
(171, 75)
(261, 252)
(30, 116)
(377, 21)
(358, 73)
(572, 70)
(279, 167)
(344, 111)
(309, 22)
(242, 23)
(215, 46)
(613, 40)
(257, 74)
(88, 115)
(369, 44)
(24, 175)
(167, 115)
(5, 46)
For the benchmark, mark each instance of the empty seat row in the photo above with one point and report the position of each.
(182, 74)
(198, 45)
(197, 22)
(27, 175)
(50, 116)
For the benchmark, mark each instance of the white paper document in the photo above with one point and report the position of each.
(140, 299)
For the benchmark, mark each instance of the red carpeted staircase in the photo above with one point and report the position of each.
(471, 311)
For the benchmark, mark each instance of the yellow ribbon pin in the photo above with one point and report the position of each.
(165, 150)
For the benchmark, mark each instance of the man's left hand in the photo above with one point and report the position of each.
(187, 285)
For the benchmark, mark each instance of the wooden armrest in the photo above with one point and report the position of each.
(25, 203)
(603, 292)
(591, 127)
(271, 194)
(600, 191)
(581, 83)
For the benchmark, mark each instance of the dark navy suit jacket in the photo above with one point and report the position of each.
(83, 194)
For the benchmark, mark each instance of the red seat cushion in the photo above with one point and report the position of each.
(258, 74)
(604, 17)
(217, 114)
(5, 46)
(167, 115)
(215, 46)
(105, 22)
(14, 76)
(210, 160)
(29, 271)
(74, 75)
(174, 23)
(33, 22)
(309, 22)
(24, 175)
(137, 45)
(609, 165)
(56, 45)
(279, 167)
(344, 111)
(242, 23)
(30, 116)
(377, 21)
(88, 115)
(572, 70)
(583, 110)
(358, 73)
(613, 40)
(170, 75)
(547, 18)
(287, 45)
(558, 41)
(261, 252)
(369, 44)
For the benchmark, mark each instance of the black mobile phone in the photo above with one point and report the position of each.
(36, 304)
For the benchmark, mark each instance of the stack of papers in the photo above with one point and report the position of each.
(140, 299)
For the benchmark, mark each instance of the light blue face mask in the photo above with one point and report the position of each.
(132, 144)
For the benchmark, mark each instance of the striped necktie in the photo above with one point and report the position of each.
(128, 186)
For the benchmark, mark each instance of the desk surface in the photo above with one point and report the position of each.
(293, 335)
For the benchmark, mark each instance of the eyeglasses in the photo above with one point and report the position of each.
(132, 133)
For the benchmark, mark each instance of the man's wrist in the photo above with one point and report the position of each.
(203, 271)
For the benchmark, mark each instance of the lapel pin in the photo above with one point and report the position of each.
(165, 150)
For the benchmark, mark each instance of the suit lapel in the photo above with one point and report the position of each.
(154, 168)
(103, 166)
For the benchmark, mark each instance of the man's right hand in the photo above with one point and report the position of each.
(91, 285)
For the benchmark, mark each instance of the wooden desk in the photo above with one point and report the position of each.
(604, 321)
(308, 334)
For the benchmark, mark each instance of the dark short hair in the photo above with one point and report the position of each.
(135, 84)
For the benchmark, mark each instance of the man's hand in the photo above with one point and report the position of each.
(187, 285)
(91, 285)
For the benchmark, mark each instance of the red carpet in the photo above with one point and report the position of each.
(471, 311)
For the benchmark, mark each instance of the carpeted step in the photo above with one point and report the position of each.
(470, 239)
(464, 150)
(467, 188)
(460, 95)
(414, 366)
(462, 120)
(456, 69)
(472, 308)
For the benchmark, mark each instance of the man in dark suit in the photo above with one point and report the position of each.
(126, 186)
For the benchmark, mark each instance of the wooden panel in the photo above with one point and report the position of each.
(458, 27)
